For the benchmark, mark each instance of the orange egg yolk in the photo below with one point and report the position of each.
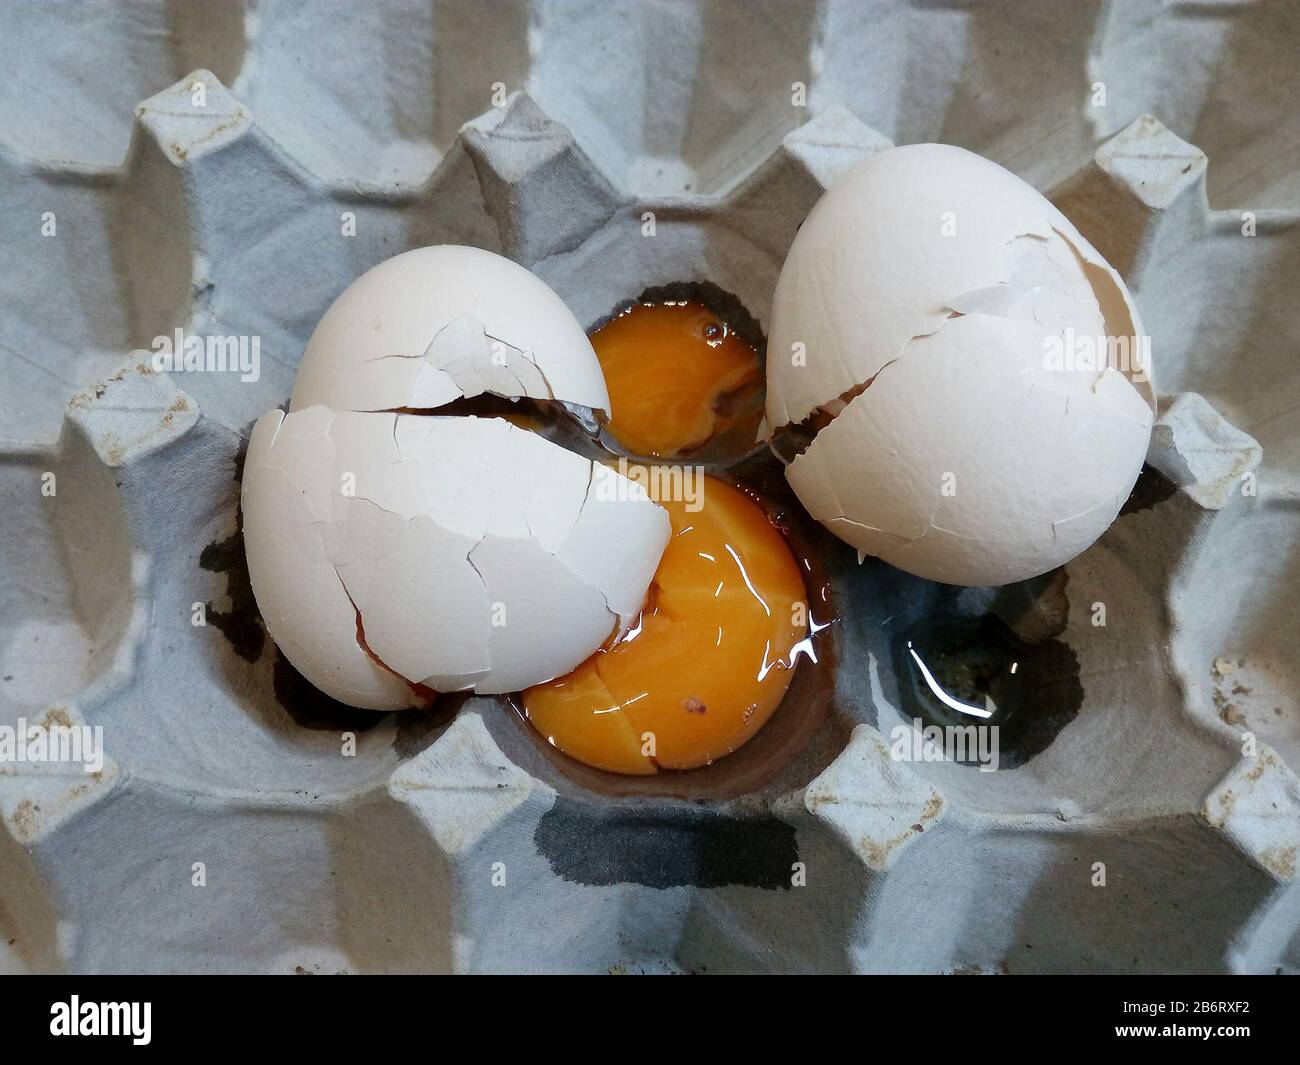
(677, 377)
(710, 657)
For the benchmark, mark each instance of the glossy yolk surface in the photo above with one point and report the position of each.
(708, 661)
(677, 377)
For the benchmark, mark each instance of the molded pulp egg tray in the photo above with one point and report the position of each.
(1149, 818)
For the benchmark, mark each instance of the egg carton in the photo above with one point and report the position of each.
(1147, 820)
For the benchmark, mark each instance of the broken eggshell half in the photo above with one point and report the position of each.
(391, 552)
(974, 367)
(436, 324)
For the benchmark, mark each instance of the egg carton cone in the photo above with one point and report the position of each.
(226, 170)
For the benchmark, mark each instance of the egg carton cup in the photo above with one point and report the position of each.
(240, 823)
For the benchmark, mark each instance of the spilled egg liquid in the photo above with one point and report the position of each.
(728, 617)
(707, 662)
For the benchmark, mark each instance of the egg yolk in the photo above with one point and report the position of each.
(677, 377)
(709, 659)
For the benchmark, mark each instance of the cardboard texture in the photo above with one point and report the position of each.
(228, 829)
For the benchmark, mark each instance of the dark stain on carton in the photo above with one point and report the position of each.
(665, 847)
(418, 728)
(242, 624)
(1152, 488)
(1033, 690)
(312, 708)
(1000, 649)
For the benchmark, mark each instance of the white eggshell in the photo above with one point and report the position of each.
(475, 554)
(927, 285)
(435, 324)
(909, 474)
(885, 253)
(302, 600)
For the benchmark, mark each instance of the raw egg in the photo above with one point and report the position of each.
(711, 655)
(678, 376)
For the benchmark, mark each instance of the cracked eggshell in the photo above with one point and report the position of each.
(928, 288)
(303, 602)
(911, 474)
(436, 324)
(453, 545)
(884, 254)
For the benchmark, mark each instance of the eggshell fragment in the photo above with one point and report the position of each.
(473, 554)
(436, 324)
(960, 498)
(916, 311)
(883, 255)
(303, 602)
